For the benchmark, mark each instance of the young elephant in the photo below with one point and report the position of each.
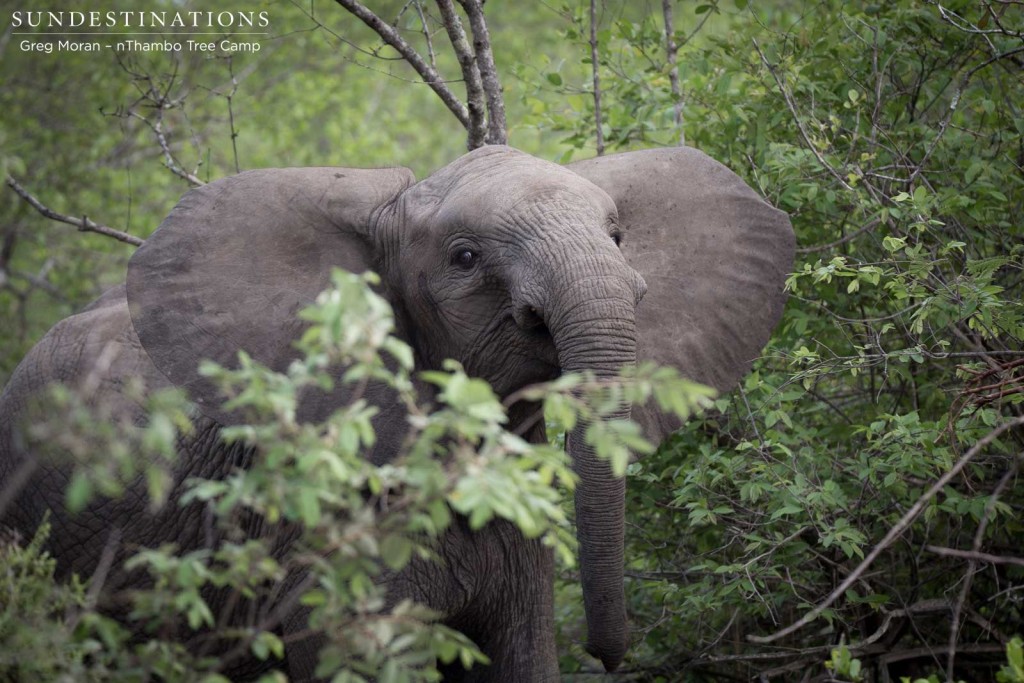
(517, 267)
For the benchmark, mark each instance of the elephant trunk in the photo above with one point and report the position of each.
(599, 335)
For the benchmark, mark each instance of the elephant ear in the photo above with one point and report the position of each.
(231, 266)
(714, 254)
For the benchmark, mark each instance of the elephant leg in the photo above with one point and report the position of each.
(511, 614)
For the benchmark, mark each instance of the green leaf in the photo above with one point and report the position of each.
(78, 493)
(893, 244)
(308, 502)
(395, 550)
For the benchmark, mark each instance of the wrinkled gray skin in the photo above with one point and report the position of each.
(559, 264)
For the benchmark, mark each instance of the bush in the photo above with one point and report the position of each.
(329, 519)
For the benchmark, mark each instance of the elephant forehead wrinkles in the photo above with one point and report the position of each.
(539, 224)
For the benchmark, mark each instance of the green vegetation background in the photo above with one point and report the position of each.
(893, 134)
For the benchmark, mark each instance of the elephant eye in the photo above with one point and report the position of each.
(617, 238)
(464, 258)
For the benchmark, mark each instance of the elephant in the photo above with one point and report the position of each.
(519, 268)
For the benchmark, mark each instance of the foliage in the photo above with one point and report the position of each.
(343, 522)
(35, 647)
(1013, 672)
(890, 132)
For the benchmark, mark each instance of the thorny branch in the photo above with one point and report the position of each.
(158, 97)
(169, 159)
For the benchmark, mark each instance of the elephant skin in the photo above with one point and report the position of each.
(517, 267)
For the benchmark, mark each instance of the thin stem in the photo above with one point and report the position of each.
(671, 50)
(426, 34)
(597, 78)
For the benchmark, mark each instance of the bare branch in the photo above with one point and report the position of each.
(972, 567)
(231, 112)
(671, 49)
(597, 77)
(894, 533)
(426, 72)
(852, 236)
(467, 61)
(426, 34)
(497, 130)
(170, 161)
(83, 224)
(974, 555)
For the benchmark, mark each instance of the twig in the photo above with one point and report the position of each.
(470, 72)
(972, 567)
(799, 124)
(99, 577)
(231, 113)
(894, 533)
(671, 50)
(932, 650)
(953, 104)
(84, 224)
(426, 72)
(169, 160)
(426, 34)
(597, 77)
(161, 101)
(497, 133)
(852, 236)
(974, 555)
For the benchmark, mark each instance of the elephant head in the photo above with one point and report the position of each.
(517, 267)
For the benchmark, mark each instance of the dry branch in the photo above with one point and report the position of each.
(170, 162)
(597, 78)
(475, 103)
(84, 224)
(894, 533)
(426, 72)
(497, 133)
(975, 555)
(426, 33)
(972, 567)
(671, 51)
